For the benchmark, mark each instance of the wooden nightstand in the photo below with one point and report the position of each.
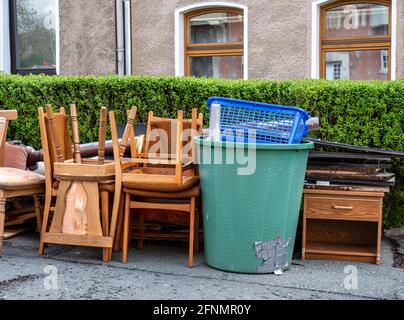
(342, 223)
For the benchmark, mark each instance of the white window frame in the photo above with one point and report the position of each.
(315, 38)
(179, 32)
(5, 62)
(5, 50)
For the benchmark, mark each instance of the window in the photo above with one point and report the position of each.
(356, 40)
(214, 43)
(33, 36)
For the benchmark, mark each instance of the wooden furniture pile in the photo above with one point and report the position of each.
(78, 191)
(16, 183)
(343, 203)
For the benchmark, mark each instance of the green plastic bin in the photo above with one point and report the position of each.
(250, 220)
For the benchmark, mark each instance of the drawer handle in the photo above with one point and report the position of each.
(341, 207)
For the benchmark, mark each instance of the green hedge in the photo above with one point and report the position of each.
(369, 113)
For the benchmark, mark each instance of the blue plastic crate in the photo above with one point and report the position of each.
(249, 121)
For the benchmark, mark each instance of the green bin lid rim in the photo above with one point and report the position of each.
(305, 145)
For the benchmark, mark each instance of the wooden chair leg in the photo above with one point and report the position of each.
(191, 233)
(126, 227)
(196, 243)
(105, 212)
(46, 212)
(37, 205)
(2, 222)
(118, 236)
(140, 242)
(130, 227)
(105, 222)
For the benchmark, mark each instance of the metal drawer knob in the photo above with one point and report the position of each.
(341, 207)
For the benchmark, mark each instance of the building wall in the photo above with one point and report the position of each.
(279, 37)
(400, 39)
(87, 37)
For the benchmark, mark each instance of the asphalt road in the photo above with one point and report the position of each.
(160, 272)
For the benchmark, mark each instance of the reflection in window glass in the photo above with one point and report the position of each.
(357, 65)
(357, 20)
(227, 67)
(216, 27)
(35, 34)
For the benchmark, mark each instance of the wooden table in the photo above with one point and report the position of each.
(342, 223)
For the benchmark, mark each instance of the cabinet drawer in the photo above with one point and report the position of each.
(343, 207)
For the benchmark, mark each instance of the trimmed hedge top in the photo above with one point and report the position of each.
(368, 113)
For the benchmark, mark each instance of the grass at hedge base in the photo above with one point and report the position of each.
(368, 113)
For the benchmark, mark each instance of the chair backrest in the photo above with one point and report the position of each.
(119, 149)
(7, 116)
(61, 131)
(166, 128)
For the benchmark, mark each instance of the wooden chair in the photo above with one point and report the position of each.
(57, 150)
(60, 120)
(16, 182)
(160, 181)
(154, 125)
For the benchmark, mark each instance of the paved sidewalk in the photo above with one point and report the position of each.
(160, 272)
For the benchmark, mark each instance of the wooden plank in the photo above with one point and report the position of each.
(341, 249)
(322, 172)
(105, 212)
(161, 206)
(20, 219)
(166, 235)
(70, 169)
(339, 257)
(23, 192)
(151, 160)
(12, 232)
(85, 178)
(78, 240)
(358, 148)
(148, 178)
(347, 177)
(357, 167)
(341, 187)
(344, 155)
(57, 220)
(93, 209)
(9, 115)
(75, 217)
(344, 193)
